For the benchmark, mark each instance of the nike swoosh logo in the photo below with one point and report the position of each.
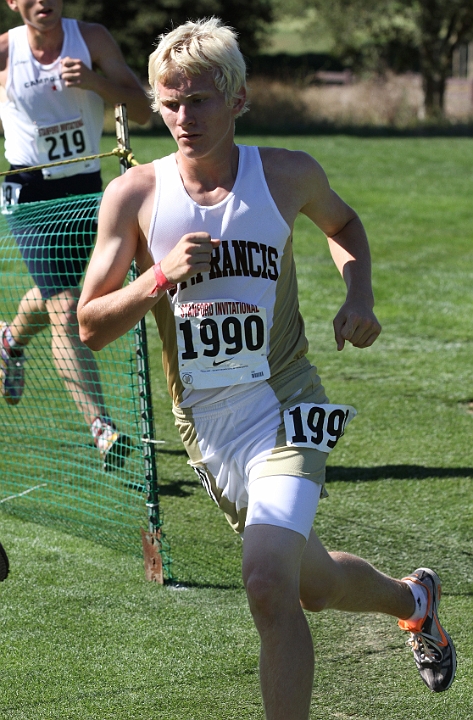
(232, 367)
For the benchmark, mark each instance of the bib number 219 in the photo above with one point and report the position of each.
(65, 145)
(317, 426)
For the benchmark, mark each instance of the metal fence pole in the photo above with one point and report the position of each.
(152, 539)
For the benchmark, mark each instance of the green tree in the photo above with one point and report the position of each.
(136, 25)
(399, 34)
(443, 26)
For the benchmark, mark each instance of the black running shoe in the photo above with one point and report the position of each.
(4, 564)
(113, 445)
(12, 370)
(120, 446)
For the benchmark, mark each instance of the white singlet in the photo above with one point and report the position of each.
(238, 324)
(44, 121)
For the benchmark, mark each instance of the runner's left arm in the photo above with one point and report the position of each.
(355, 321)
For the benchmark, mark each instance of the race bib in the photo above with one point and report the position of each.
(317, 426)
(9, 196)
(63, 141)
(221, 343)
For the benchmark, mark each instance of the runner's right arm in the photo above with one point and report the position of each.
(107, 309)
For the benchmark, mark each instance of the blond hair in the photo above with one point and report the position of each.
(197, 47)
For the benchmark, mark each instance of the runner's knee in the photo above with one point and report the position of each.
(269, 591)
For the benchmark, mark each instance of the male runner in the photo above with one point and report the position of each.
(211, 229)
(56, 74)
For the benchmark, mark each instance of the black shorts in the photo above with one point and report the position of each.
(57, 250)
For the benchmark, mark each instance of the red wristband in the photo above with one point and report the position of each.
(162, 283)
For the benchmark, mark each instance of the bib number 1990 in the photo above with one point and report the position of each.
(231, 338)
(221, 343)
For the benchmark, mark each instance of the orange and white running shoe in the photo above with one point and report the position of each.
(433, 649)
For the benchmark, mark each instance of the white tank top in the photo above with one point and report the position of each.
(43, 120)
(239, 323)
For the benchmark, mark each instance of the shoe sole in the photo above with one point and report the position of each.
(9, 399)
(438, 590)
(454, 661)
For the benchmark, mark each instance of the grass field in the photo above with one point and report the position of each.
(85, 637)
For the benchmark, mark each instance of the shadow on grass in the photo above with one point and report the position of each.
(169, 451)
(337, 473)
(195, 584)
(172, 488)
(177, 488)
(394, 472)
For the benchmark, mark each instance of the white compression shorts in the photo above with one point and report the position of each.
(235, 441)
(284, 501)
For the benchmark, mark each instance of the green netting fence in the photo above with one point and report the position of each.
(50, 470)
